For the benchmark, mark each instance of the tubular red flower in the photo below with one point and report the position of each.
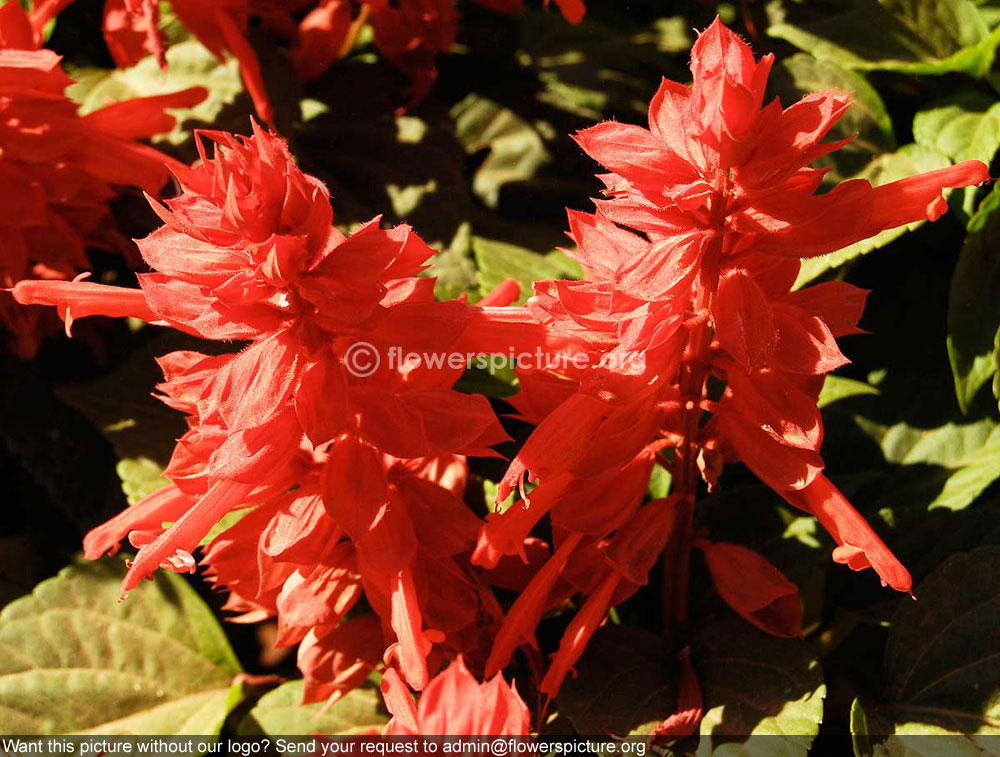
(522, 618)
(578, 633)
(859, 547)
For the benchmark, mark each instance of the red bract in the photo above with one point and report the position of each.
(690, 265)
(354, 477)
(55, 174)
(456, 704)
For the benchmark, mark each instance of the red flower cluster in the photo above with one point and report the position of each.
(698, 354)
(409, 33)
(55, 176)
(724, 204)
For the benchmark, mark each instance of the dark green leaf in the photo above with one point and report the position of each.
(141, 428)
(624, 683)
(942, 660)
(756, 687)
(867, 120)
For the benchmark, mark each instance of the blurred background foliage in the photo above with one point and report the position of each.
(484, 168)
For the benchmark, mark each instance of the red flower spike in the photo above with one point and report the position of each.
(455, 704)
(754, 588)
(689, 263)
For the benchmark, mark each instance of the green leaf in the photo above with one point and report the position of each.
(453, 268)
(140, 477)
(190, 64)
(974, 302)
(499, 261)
(516, 149)
(624, 683)
(74, 659)
(941, 662)
(859, 732)
(836, 388)
(756, 687)
(909, 160)
(281, 713)
(660, 482)
(969, 455)
(964, 127)
(909, 36)
(996, 367)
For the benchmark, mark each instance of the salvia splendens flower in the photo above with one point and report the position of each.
(55, 174)
(409, 33)
(690, 263)
(351, 485)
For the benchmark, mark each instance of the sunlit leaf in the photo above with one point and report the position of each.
(189, 65)
(910, 36)
(281, 713)
(756, 688)
(74, 659)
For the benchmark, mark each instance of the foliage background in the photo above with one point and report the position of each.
(485, 168)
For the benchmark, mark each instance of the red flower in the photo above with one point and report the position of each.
(56, 178)
(455, 704)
